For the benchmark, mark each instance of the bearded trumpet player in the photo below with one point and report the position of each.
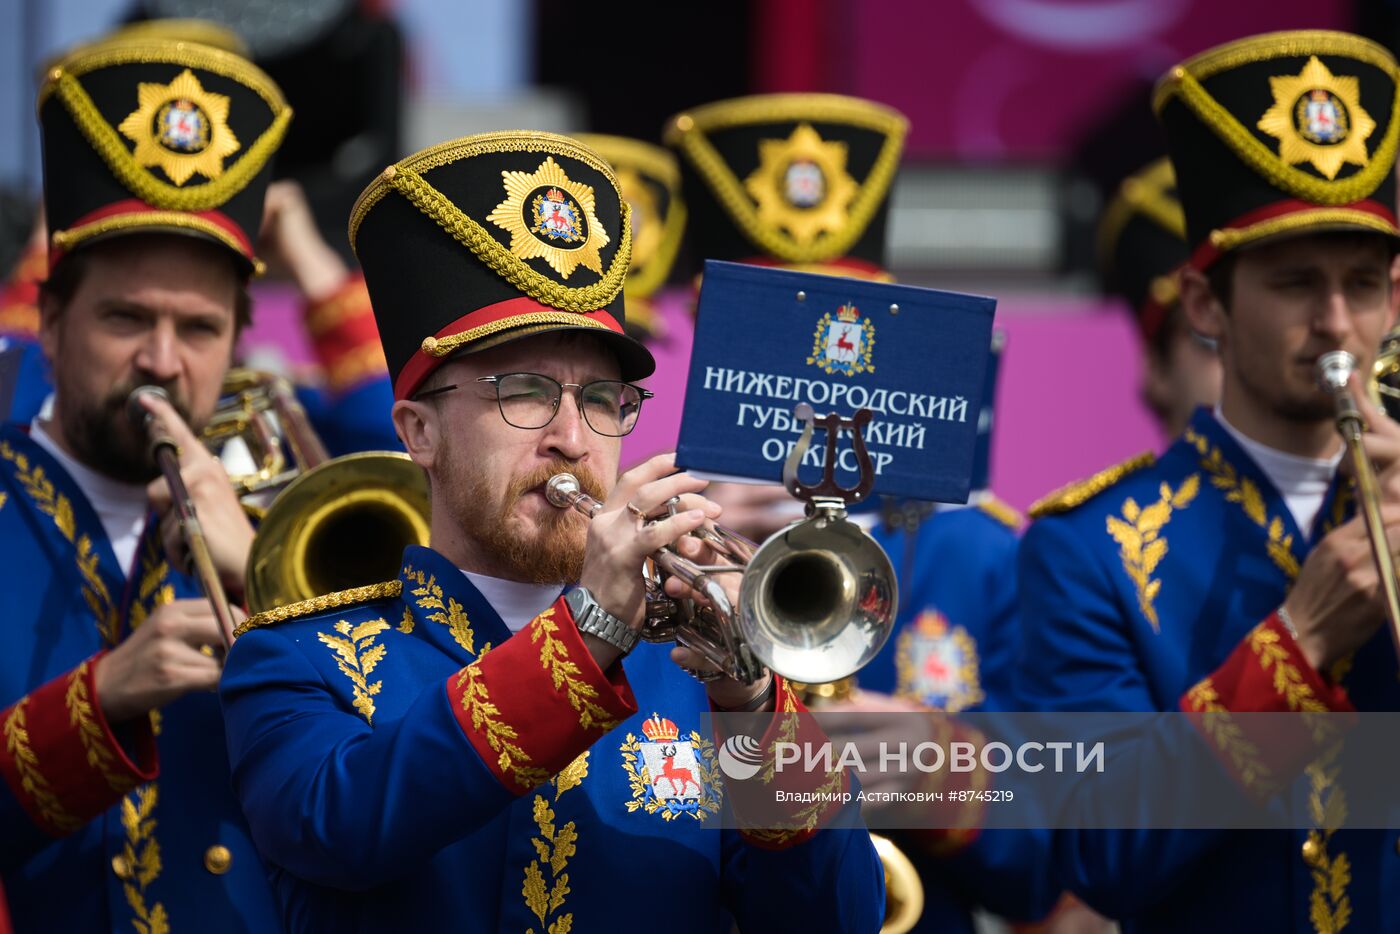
(466, 744)
(114, 805)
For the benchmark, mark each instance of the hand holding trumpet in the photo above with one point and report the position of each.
(621, 538)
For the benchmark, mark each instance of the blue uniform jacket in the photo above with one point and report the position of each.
(408, 764)
(953, 649)
(101, 829)
(1153, 586)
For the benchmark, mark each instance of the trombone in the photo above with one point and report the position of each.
(1334, 371)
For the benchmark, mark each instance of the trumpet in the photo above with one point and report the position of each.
(817, 599)
(167, 457)
(1334, 371)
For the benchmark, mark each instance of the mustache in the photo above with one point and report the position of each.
(538, 477)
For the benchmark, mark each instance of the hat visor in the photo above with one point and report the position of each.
(77, 238)
(1291, 225)
(634, 359)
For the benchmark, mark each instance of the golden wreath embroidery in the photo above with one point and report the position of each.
(551, 217)
(181, 129)
(1317, 117)
(669, 775)
(801, 185)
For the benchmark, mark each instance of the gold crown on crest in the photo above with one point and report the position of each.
(848, 312)
(660, 730)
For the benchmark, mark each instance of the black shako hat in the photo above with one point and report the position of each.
(148, 135)
(1282, 134)
(484, 240)
(794, 180)
(1142, 244)
(650, 179)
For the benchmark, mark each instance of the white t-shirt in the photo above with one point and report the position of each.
(122, 507)
(1303, 481)
(516, 603)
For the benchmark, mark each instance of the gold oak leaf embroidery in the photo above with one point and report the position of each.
(142, 853)
(500, 736)
(1329, 905)
(406, 624)
(1228, 737)
(80, 715)
(554, 656)
(1245, 492)
(572, 775)
(357, 656)
(553, 850)
(32, 781)
(50, 502)
(1141, 544)
(451, 614)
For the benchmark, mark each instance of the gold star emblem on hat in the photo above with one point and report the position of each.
(180, 128)
(550, 217)
(801, 185)
(1317, 118)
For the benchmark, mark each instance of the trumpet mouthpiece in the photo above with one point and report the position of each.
(135, 410)
(561, 490)
(1334, 369)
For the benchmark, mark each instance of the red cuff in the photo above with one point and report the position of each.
(533, 704)
(1266, 673)
(343, 333)
(811, 797)
(962, 801)
(60, 758)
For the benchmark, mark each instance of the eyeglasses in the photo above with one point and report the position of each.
(531, 400)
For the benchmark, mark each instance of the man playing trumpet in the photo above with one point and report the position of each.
(1234, 574)
(155, 163)
(465, 745)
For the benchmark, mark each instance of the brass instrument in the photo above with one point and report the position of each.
(1384, 385)
(342, 525)
(904, 891)
(817, 600)
(1334, 372)
(332, 524)
(261, 411)
(167, 456)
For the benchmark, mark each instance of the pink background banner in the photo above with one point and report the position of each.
(1022, 78)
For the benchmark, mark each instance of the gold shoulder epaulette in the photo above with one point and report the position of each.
(1002, 511)
(1081, 491)
(330, 601)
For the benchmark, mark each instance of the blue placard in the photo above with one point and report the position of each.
(767, 339)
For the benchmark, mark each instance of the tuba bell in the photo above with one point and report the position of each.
(332, 523)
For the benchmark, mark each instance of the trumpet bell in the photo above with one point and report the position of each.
(818, 599)
(904, 891)
(342, 525)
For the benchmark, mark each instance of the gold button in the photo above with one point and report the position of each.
(218, 859)
(684, 123)
(121, 866)
(389, 173)
(1312, 849)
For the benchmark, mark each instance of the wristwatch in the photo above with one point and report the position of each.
(591, 618)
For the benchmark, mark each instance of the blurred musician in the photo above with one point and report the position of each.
(114, 807)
